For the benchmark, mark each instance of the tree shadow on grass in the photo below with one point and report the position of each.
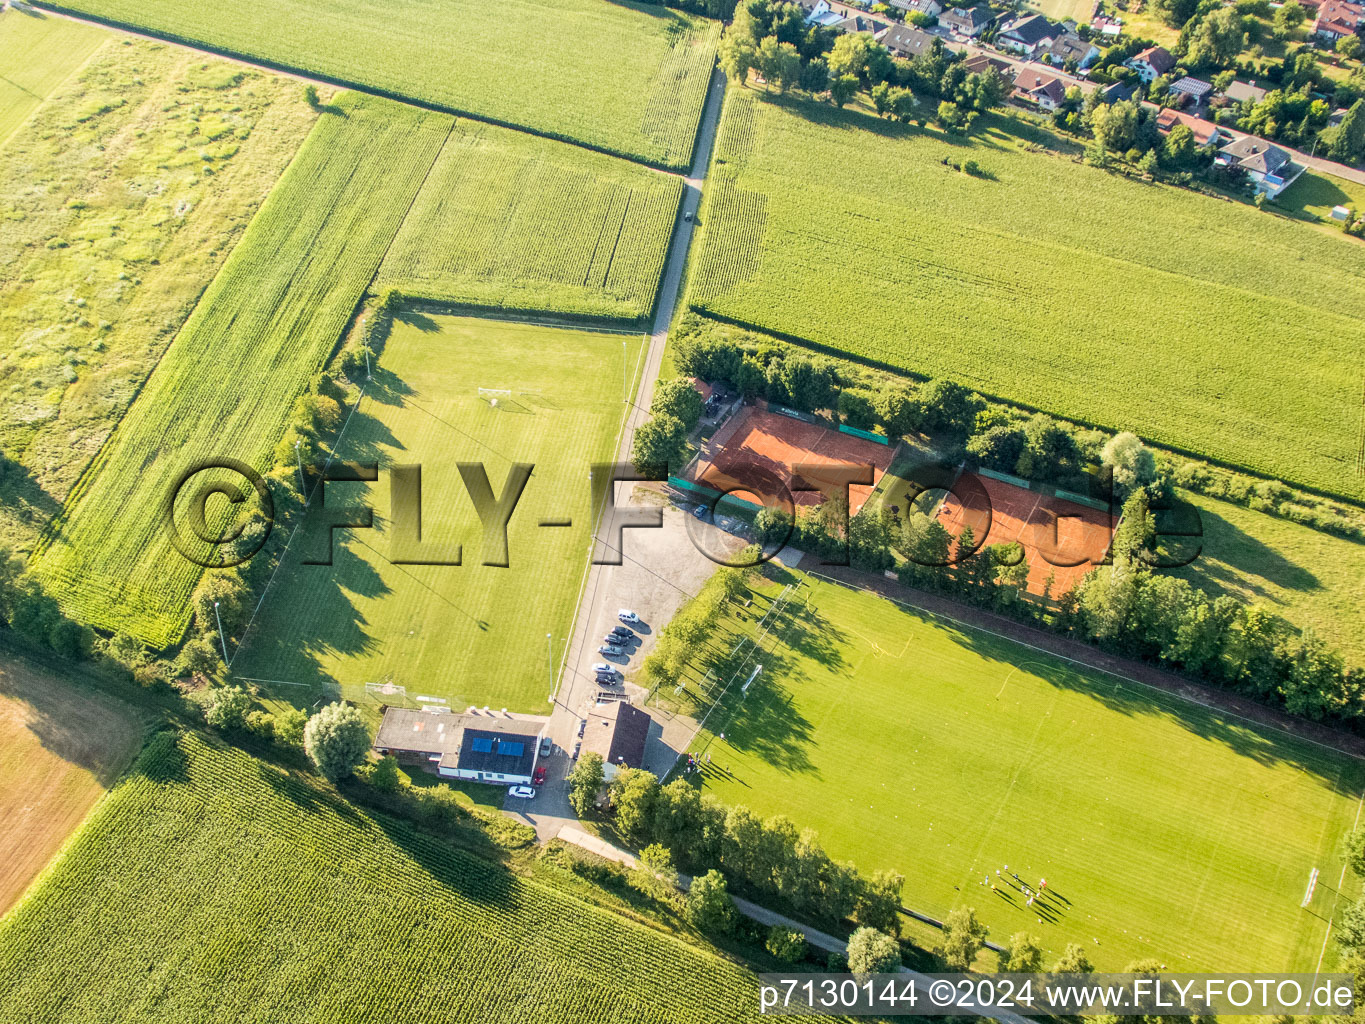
(387, 388)
(418, 319)
(24, 497)
(1228, 549)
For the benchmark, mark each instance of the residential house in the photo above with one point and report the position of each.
(1151, 63)
(1038, 87)
(1337, 19)
(860, 23)
(488, 746)
(1109, 29)
(1240, 92)
(1028, 35)
(821, 14)
(1071, 47)
(1117, 92)
(905, 41)
(929, 8)
(1267, 165)
(981, 63)
(968, 22)
(618, 732)
(1192, 91)
(1206, 133)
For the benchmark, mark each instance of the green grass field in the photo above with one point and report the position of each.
(510, 221)
(225, 386)
(1316, 194)
(211, 886)
(943, 752)
(120, 198)
(627, 78)
(471, 633)
(1309, 577)
(1045, 282)
(37, 54)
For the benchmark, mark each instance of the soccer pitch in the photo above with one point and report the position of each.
(468, 633)
(1165, 830)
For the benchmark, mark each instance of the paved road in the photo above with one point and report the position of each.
(597, 604)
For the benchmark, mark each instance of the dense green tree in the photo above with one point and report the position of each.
(1115, 125)
(634, 792)
(962, 939)
(1346, 142)
(584, 782)
(660, 446)
(872, 952)
(226, 707)
(1288, 18)
(1355, 850)
(787, 945)
(879, 902)
(738, 56)
(1022, 954)
(858, 54)
(842, 88)
(678, 398)
(1072, 961)
(709, 905)
(779, 63)
(289, 726)
(336, 740)
(1219, 37)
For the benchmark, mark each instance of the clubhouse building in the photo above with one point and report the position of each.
(496, 747)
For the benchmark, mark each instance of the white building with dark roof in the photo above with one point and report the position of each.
(496, 747)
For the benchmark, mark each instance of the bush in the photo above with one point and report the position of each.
(289, 725)
(261, 724)
(872, 952)
(709, 905)
(226, 707)
(336, 740)
(785, 944)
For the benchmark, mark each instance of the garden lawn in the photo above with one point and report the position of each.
(625, 78)
(945, 753)
(468, 633)
(38, 53)
(122, 196)
(212, 886)
(225, 386)
(506, 220)
(61, 747)
(1309, 577)
(1199, 324)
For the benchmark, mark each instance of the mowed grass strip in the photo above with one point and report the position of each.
(122, 196)
(225, 386)
(211, 886)
(1310, 577)
(625, 78)
(37, 54)
(1209, 326)
(510, 221)
(944, 752)
(61, 747)
(468, 633)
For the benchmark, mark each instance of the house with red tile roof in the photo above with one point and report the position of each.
(1337, 19)
(1151, 63)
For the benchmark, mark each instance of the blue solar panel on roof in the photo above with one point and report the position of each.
(481, 746)
(510, 749)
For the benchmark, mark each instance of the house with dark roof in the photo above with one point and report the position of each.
(928, 8)
(980, 63)
(860, 23)
(905, 41)
(1070, 47)
(1240, 92)
(1268, 166)
(1151, 63)
(488, 746)
(1028, 35)
(1337, 19)
(618, 732)
(1039, 88)
(1206, 133)
(1117, 92)
(968, 22)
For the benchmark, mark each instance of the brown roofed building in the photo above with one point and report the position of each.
(1206, 133)
(494, 747)
(1338, 19)
(618, 732)
(1151, 63)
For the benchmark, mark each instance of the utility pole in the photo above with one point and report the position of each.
(550, 661)
(221, 639)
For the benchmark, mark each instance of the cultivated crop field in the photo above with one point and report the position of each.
(61, 747)
(469, 633)
(629, 79)
(1309, 577)
(1199, 324)
(211, 886)
(1148, 816)
(37, 54)
(120, 198)
(225, 386)
(510, 221)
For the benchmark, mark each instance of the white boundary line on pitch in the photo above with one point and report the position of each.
(1340, 881)
(1095, 668)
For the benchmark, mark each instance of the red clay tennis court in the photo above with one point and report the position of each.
(1059, 537)
(756, 452)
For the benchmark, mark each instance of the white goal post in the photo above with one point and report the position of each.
(493, 395)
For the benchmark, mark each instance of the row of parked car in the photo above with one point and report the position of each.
(619, 643)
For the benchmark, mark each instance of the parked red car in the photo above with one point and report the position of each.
(539, 777)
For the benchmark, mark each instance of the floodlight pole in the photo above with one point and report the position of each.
(368, 374)
(550, 661)
(625, 374)
(299, 459)
(221, 639)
